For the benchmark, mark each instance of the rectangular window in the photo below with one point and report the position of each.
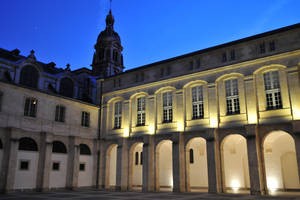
(272, 46)
(118, 115)
(82, 167)
(30, 107)
(232, 96)
(197, 102)
(262, 48)
(272, 89)
(60, 113)
(141, 111)
(55, 166)
(232, 55)
(85, 119)
(24, 165)
(224, 57)
(167, 107)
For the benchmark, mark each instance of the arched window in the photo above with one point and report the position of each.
(84, 149)
(29, 76)
(1, 146)
(136, 158)
(191, 156)
(27, 144)
(58, 147)
(66, 87)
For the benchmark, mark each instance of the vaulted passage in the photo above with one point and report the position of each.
(136, 167)
(281, 166)
(111, 167)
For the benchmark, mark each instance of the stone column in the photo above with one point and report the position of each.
(148, 164)
(122, 165)
(95, 155)
(9, 162)
(178, 163)
(73, 164)
(296, 136)
(254, 160)
(102, 163)
(44, 163)
(213, 163)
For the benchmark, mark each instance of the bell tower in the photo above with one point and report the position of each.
(108, 58)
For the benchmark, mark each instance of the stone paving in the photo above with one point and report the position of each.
(99, 195)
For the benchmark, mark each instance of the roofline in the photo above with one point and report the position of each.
(234, 42)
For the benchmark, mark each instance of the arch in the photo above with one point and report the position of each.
(27, 144)
(197, 171)
(280, 161)
(1, 145)
(84, 149)
(165, 89)
(235, 166)
(111, 166)
(58, 147)
(29, 76)
(229, 76)
(271, 67)
(66, 87)
(164, 166)
(138, 94)
(115, 99)
(195, 83)
(135, 166)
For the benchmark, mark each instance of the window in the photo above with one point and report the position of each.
(232, 55)
(84, 150)
(232, 96)
(141, 114)
(262, 48)
(82, 167)
(85, 119)
(136, 158)
(272, 89)
(55, 166)
(272, 46)
(141, 160)
(27, 144)
(118, 115)
(1, 100)
(191, 156)
(60, 113)
(66, 87)
(167, 107)
(29, 76)
(58, 147)
(24, 165)
(197, 102)
(224, 57)
(30, 107)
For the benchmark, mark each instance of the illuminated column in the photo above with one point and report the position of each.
(178, 162)
(44, 163)
(254, 160)
(126, 118)
(73, 163)
(251, 102)
(213, 106)
(179, 110)
(296, 136)
(9, 162)
(122, 165)
(151, 114)
(148, 164)
(213, 163)
(103, 121)
(294, 92)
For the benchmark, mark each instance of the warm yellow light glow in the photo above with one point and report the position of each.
(180, 126)
(296, 113)
(151, 129)
(252, 118)
(272, 184)
(126, 132)
(171, 181)
(235, 185)
(213, 122)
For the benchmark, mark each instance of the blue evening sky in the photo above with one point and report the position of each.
(65, 31)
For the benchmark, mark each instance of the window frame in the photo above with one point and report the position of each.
(232, 96)
(85, 119)
(167, 107)
(197, 102)
(141, 111)
(30, 107)
(272, 90)
(60, 113)
(117, 115)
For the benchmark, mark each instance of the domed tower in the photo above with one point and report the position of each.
(108, 58)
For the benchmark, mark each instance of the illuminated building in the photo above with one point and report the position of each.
(222, 119)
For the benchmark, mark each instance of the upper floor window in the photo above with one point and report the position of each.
(66, 87)
(224, 57)
(272, 90)
(60, 113)
(118, 115)
(1, 100)
(232, 55)
(272, 45)
(85, 119)
(232, 96)
(262, 48)
(141, 111)
(197, 102)
(167, 107)
(29, 76)
(30, 107)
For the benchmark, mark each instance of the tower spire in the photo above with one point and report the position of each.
(110, 1)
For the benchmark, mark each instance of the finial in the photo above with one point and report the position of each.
(110, 1)
(31, 55)
(68, 67)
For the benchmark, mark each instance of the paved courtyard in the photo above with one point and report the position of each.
(99, 195)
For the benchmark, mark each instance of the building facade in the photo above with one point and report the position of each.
(221, 120)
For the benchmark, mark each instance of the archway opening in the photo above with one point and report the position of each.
(66, 87)
(196, 165)
(164, 159)
(111, 167)
(29, 76)
(280, 159)
(136, 167)
(85, 175)
(235, 166)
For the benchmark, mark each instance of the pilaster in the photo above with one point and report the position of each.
(122, 165)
